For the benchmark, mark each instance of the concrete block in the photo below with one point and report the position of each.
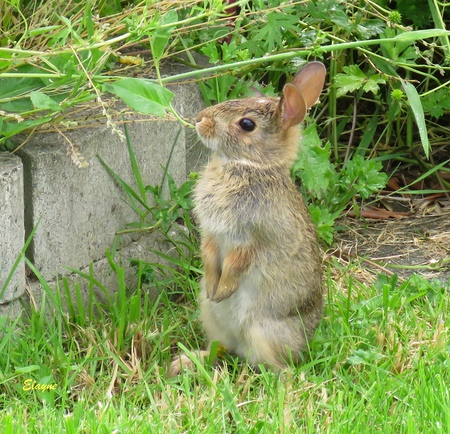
(188, 101)
(197, 155)
(10, 312)
(78, 210)
(103, 273)
(11, 226)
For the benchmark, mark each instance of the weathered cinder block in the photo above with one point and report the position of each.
(11, 226)
(101, 271)
(9, 312)
(188, 101)
(78, 210)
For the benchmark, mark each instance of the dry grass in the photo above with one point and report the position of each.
(419, 243)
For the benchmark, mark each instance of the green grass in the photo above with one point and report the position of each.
(378, 363)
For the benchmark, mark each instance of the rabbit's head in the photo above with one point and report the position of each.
(262, 131)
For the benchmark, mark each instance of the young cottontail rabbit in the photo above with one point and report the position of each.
(261, 295)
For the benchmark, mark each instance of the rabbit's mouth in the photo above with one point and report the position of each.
(210, 143)
(203, 129)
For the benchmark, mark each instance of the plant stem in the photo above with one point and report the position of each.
(412, 36)
(436, 266)
(439, 24)
(332, 113)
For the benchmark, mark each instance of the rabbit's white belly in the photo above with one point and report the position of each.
(236, 314)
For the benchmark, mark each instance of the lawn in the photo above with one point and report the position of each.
(379, 362)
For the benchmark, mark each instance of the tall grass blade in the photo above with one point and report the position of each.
(135, 167)
(18, 259)
(133, 196)
(417, 109)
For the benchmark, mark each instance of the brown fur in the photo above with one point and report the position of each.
(261, 295)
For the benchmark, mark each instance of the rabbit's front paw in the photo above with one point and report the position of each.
(225, 289)
(211, 263)
(236, 263)
(211, 283)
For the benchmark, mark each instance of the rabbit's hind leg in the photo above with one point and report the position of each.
(274, 342)
(218, 322)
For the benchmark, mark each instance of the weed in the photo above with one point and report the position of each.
(328, 190)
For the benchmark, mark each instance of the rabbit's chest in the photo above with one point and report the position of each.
(226, 210)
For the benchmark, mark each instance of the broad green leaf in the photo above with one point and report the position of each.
(42, 101)
(274, 33)
(341, 19)
(354, 70)
(5, 60)
(160, 37)
(212, 51)
(141, 95)
(17, 105)
(10, 129)
(346, 84)
(372, 83)
(417, 109)
(436, 111)
(352, 80)
(313, 164)
(370, 28)
(436, 103)
(11, 87)
(364, 176)
(324, 221)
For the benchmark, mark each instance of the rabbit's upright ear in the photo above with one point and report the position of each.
(302, 93)
(309, 81)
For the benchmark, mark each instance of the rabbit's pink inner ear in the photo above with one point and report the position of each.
(293, 106)
(309, 81)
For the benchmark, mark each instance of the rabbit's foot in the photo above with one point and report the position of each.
(182, 362)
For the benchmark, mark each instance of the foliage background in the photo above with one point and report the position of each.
(385, 109)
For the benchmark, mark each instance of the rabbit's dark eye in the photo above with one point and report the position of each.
(247, 125)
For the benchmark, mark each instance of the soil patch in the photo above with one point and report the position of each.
(419, 244)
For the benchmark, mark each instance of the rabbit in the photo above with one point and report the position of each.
(261, 294)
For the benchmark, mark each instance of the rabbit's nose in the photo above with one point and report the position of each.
(201, 115)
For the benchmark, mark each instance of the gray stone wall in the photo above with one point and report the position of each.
(76, 211)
